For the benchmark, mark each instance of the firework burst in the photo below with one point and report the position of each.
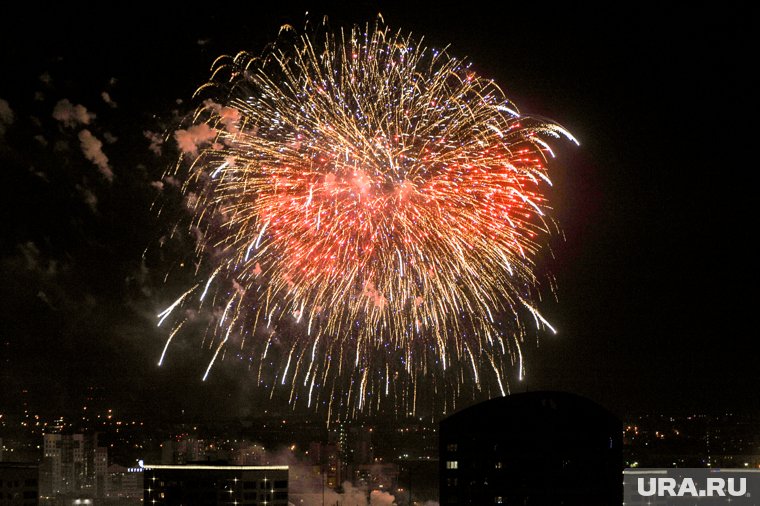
(367, 214)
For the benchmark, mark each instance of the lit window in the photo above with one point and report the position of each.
(452, 464)
(498, 500)
(452, 447)
(497, 465)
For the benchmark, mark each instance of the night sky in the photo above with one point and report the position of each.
(655, 272)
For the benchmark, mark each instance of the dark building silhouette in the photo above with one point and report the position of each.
(537, 448)
(18, 484)
(207, 484)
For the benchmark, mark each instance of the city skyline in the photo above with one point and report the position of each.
(104, 456)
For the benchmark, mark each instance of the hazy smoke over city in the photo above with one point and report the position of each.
(307, 485)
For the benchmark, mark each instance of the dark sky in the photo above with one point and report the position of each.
(654, 305)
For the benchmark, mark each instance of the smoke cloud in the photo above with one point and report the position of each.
(6, 116)
(189, 140)
(107, 99)
(306, 484)
(155, 141)
(72, 115)
(92, 148)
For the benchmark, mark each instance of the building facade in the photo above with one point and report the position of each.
(206, 484)
(177, 452)
(18, 484)
(529, 449)
(124, 485)
(73, 464)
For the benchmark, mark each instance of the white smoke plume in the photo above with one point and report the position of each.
(189, 140)
(306, 484)
(72, 115)
(92, 148)
(108, 100)
(155, 141)
(230, 117)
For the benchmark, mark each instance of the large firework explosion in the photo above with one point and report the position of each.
(367, 212)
